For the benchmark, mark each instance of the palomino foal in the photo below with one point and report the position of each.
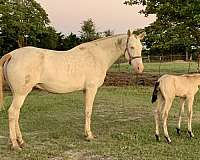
(165, 90)
(81, 68)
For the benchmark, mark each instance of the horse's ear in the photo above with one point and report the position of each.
(141, 36)
(129, 33)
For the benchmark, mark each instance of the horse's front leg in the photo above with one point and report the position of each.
(190, 112)
(89, 99)
(182, 103)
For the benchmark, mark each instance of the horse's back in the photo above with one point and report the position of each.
(54, 70)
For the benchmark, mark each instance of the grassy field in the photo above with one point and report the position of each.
(153, 68)
(123, 121)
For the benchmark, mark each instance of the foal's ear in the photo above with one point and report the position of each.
(141, 36)
(129, 33)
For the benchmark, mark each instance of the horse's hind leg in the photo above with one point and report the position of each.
(158, 104)
(89, 99)
(167, 106)
(182, 103)
(13, 113)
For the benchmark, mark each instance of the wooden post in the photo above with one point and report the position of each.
(198, 61)
(160, 64)
(149, 58)
(189, 63)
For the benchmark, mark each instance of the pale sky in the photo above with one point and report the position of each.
(67, 15)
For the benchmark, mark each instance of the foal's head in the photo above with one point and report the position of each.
(133, 51)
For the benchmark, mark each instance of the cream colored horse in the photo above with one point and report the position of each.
(165, 90)
(81, 68)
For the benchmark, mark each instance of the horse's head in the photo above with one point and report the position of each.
(133, 51)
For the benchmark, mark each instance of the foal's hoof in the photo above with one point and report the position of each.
(168, 140)
(22, 145)
(157, 137)
(178, 131)
(15, 148)
(90, 138)
(191, 135)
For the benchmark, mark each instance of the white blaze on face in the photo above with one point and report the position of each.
(137, 65)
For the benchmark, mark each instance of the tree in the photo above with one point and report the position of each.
(22, 22)
(176, 28)
(47, 39)
(68, 42)
(88, 31)
(108, 33)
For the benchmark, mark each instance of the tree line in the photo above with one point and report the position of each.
(25, 23)
(175, 31)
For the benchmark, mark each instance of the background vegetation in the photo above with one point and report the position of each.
(176, 30)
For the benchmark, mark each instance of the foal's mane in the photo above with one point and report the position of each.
(194, 75)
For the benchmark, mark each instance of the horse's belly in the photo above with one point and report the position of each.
(60, 88)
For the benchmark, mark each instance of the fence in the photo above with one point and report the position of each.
(121, 73)
(162, 65)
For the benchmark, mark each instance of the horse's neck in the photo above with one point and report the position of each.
(112, 49)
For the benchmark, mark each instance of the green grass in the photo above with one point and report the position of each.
(165, 68)
(52, 126)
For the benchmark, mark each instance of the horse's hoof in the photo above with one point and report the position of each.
(157, 137)
(168, 140)
(190, 134)
(15, 148)
(21, 143)
(90, 138)
(178, 131)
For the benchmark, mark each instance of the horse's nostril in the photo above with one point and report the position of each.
(138, 68)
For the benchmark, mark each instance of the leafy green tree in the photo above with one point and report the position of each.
(68, 42)
(108, 33)
(177, 27)
(23, 22)
(88, 31)
(47, 39)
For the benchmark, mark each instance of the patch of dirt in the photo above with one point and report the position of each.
(83, 155)
(128, 79)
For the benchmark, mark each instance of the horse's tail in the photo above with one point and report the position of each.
(155, 92)
(3, 59)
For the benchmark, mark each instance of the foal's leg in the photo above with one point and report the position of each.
(159, 103)
(13, 113)
(89, 99)
(182, 103)
(190, 112)
(167, 106)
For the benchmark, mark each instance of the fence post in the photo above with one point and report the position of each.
(160, 64)
(198, 61)
(189, 63)
(149, 58)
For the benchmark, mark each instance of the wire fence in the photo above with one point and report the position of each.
(172, 64)
(121, 73)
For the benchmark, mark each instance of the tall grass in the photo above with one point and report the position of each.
(122, 119)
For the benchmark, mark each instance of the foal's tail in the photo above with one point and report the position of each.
(155, 92)
(3, 59)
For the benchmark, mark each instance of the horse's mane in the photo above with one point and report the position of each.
(109, 37)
